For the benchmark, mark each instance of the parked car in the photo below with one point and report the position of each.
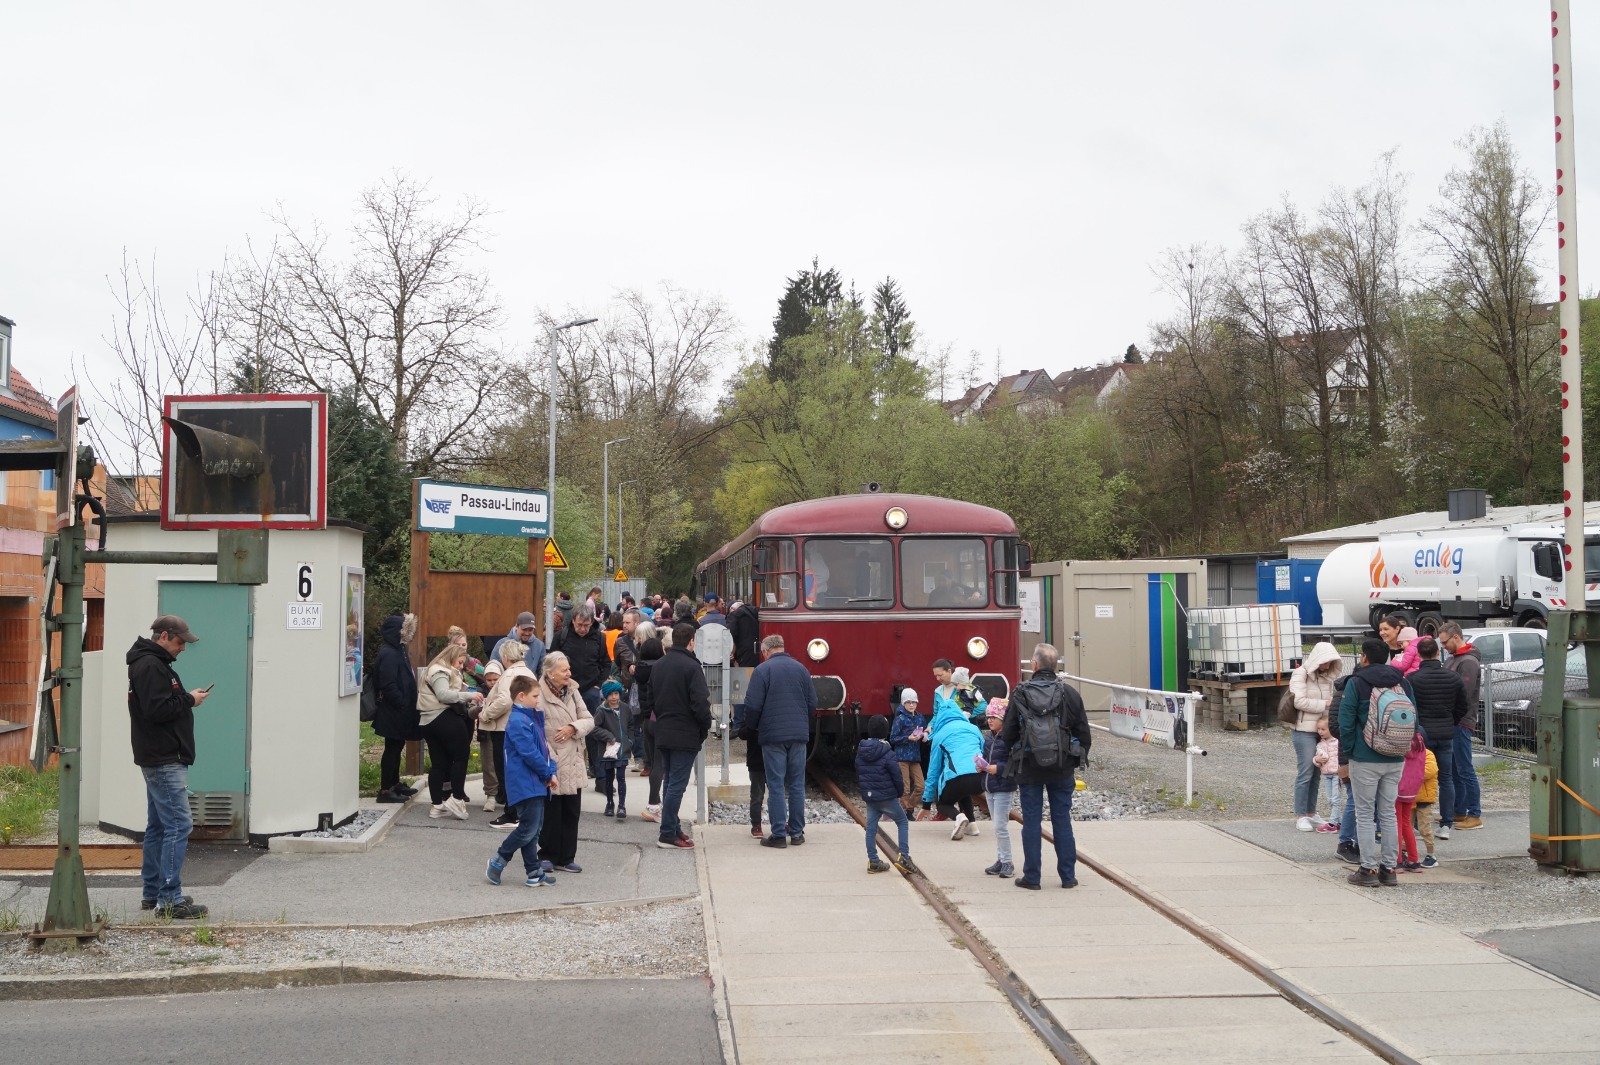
(1513, 660)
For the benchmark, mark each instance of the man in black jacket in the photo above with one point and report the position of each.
(1043, 693)
(1441, 704)
(161, 716)
(683, 717)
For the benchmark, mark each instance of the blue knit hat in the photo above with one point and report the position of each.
(608, 687)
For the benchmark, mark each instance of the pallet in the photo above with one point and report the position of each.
(41, 857)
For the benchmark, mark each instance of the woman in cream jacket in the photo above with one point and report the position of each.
(1312, 686)
(566, 722)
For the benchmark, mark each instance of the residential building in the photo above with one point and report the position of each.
(1098, 383)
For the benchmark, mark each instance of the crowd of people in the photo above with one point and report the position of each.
(1391, 745)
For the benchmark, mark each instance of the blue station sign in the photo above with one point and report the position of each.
(448, 507)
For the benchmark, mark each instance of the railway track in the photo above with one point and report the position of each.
(1056, 1036)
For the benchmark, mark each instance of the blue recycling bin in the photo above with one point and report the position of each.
(1291, 580)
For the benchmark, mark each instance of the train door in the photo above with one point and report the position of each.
(1102, 641)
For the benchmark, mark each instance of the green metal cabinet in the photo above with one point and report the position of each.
(219, 781)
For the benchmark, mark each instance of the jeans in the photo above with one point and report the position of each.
(676, 766)
(1376, 786)
(1444, 753)
(1032, 797)
(1333, 791)
(1469, 797)
(525, 837)
(1305, 779)
(786, 787)
(891, 809)
(166, 832)
(1000, 804)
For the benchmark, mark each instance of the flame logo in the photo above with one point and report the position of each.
(1376, 568)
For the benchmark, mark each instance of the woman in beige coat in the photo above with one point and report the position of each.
(1311, 683)
(566, 723)
(492, 724)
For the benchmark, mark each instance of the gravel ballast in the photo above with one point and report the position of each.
(665, 939)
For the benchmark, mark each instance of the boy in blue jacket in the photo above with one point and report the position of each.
(530, 777)
(906, 737)
(878, 777)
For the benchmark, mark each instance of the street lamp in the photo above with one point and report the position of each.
(550, 487)
(605, 501)
(620, 486)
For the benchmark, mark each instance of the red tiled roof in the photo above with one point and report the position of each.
(27, 400)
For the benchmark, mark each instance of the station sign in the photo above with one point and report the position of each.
(450, 507)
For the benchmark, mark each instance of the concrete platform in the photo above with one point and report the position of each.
(854, 968)
(1437, 994)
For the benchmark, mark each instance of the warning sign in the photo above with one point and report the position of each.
(553, 558)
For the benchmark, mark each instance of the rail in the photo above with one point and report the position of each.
(1057, 1037)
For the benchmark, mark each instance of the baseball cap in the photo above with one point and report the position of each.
(525, 619)
(711, 597)
(173, 625)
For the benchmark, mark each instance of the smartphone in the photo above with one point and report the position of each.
(208, 687)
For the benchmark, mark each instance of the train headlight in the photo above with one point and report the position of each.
(896, 517)
(977, 647)
(817, 649)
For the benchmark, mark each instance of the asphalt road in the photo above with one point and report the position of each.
(1570, 951)
(665, 1021)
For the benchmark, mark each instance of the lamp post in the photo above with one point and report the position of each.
(550, 486)
(605, 503)
(620, 486)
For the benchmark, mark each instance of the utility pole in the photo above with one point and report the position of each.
(553, 333)
(605, 509)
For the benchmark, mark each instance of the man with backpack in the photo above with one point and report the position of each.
(1377, 720)
(1047, 730)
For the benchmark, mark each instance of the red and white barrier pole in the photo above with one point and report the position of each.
(1571, 360)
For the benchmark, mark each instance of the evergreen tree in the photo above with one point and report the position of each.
(369, 484)
(1133, 356)
(893, 331)
(810, 294)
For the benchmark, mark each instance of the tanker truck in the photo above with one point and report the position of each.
(1464, 575)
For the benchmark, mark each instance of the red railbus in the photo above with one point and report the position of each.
(868, 590)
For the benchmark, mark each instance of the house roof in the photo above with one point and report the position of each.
(1424, 520)
(967, 400)
(1091, 379)
(27, 402)
(1020, 386)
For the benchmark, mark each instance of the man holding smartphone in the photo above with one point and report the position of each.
(162, 730)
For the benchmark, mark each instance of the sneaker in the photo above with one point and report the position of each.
(439, 810)
(547, 866)
(505, 820)
(185, 909)
(1468, 822)
(755, 831)
(611, 808)
(1363, 877)
(570, 867)
(1318, 820)
(993, 870)
(490, 806)
(1304, 825)
(876, 866)
(1386, 876)
(1409, 867)
(777, 842)
(906, 865)
(1429, 862)
(1006, 869)
(1442, 832)
(797, 840)
(972, 828)
(1349, 852)
(1327, 826)
(496, 866)
(457, 808)
(622, 813)
(1031, 885)
(542, 880)
(676, 844)
(961, 827)
(651, 813)
(404, 789)
(391, 796)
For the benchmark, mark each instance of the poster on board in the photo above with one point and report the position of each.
(1028, 596)
(353, 612)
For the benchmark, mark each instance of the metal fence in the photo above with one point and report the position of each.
(1508, 711)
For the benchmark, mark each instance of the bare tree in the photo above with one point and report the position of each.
(403, 320)
(1485, 235)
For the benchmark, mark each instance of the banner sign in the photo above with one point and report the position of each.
(1151, 718)
(445, 506)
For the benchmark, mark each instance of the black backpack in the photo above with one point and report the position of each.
(1042, 726)
(369, 697)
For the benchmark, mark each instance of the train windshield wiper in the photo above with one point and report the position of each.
(868, 599)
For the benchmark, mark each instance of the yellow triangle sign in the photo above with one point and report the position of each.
(553, 558)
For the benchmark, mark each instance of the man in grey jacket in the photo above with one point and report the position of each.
(780, 702)
(1466, 663)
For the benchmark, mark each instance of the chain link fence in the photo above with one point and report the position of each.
(1508, 712)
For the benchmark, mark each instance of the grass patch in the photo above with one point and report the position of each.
(10, 920)
(205, 937)
(25, 798)
(1502, 773)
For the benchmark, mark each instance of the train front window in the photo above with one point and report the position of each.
(1005, 576)
(777, 573)
(849, 574)
(944, 574)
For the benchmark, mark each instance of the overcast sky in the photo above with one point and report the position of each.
(1017, 167)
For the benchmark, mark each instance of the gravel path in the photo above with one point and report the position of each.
(662, 939)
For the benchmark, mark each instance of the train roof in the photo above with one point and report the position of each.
(862, 514)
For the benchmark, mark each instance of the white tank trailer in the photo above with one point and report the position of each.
(1464, 575)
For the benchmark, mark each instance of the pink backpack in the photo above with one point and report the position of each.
(1416, 767)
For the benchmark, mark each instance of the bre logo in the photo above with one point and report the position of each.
(438, 506)
(1440, 558)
